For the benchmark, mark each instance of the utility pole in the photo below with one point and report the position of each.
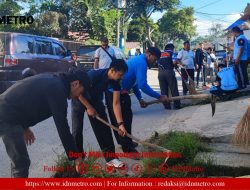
(121, 5)
(118, 28)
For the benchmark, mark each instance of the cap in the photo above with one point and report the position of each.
(155, 51)
(169, 46)
(186, 42)
(83, 78)
(236, 29)
(104, 39)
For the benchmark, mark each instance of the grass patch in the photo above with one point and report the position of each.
(188, 165)
(188, 145)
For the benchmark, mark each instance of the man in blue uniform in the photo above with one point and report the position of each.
(226, 81)
(240, 56)
(166, 75)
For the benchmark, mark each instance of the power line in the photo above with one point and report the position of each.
(211, 18)
(208, 4)
(216, 14)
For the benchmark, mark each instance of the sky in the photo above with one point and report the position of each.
(208, 12)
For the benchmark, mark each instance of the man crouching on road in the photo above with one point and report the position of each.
(31, 101)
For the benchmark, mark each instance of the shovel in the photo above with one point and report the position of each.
(135, 138)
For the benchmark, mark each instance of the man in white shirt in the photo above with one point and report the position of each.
(104, 55)
(186, 58)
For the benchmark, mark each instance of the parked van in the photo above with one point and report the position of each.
(20, 51)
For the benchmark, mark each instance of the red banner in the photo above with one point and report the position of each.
(126, 183)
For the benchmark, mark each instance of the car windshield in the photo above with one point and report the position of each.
(86, 50)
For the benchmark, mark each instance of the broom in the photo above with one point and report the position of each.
(190, 88)
(242, 131)
(189, 78)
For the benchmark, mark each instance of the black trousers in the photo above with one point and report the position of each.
(167, 80)
(202, 68)
(102, 132)
(219, 92)
(127, 116)
(241, 72)
(13, 140)
(185, 77)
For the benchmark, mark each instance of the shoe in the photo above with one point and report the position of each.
(167, 107)
(241, 87)
(184, 93)
(116, 163)
(177, 107)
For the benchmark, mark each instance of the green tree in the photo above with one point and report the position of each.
(103, 18)
(143, 9)
(216, 31)
(177, 24)
(9, 8)
(136, 31)
(50, 24)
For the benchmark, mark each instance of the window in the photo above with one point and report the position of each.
(2, 44)
(23, 44)
(43, 47)
(58, 49)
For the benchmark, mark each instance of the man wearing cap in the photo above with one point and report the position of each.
(240, 56)
(104, 55)
(136, 79)
(166, 75)
(21, 109)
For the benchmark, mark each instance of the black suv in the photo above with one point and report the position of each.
(86, 56)
(20, 51)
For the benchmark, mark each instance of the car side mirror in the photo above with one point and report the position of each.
(68, 53)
